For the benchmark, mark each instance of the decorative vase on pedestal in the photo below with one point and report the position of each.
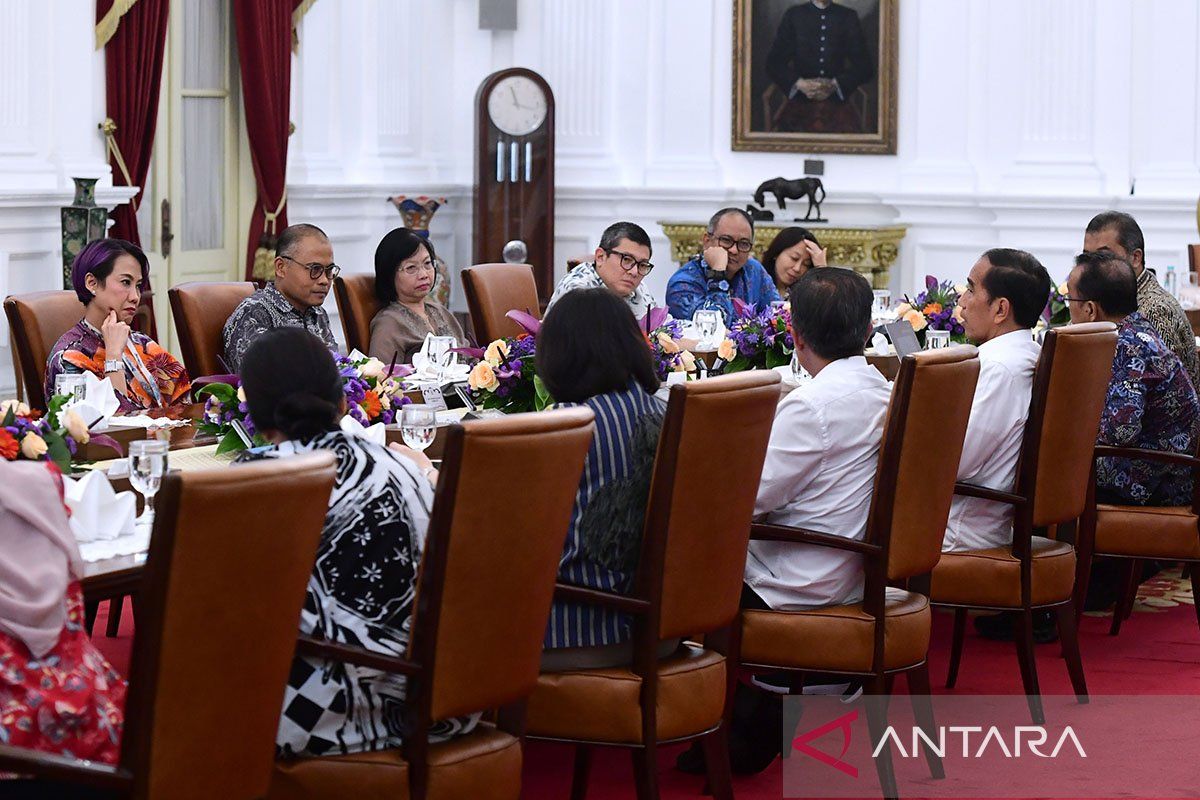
(416, 213)
(82, 221)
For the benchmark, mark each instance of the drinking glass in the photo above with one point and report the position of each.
(70, 385)
(881, 304)
(935, 340)
(439, 353)
(418, 425)
(706, 322)
(799, 373)
(147, 466)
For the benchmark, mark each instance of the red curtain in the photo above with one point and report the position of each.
(133, 62)
(264, 38)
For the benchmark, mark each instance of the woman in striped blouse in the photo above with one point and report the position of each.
(591, 352)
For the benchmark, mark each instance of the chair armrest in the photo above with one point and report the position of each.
(762, 531)
(1162, 456)
(337, 651)
(60, 768)
(598, 597)
(971, 490)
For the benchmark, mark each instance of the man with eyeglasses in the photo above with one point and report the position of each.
(304, 271)
(723, 271)
(621, 262)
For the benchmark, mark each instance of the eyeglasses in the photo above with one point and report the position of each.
(315, 270)
(1075, 299)
(629, 262)
(413, 269)
(728, 242)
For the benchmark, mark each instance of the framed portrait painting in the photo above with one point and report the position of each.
(815, 76)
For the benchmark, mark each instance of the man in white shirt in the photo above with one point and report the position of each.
(1006, 292)
(821, 460)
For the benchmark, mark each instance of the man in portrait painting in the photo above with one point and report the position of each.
(818, 59)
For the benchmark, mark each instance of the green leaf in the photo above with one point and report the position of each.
(230, 443)
(222, 391)
(54, 407)
(9, 418)
(739, 364)
(777, 359)
(58, 451)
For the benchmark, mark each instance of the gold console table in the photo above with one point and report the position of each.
(868, 249)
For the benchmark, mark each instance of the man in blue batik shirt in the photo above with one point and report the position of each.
(722, 272)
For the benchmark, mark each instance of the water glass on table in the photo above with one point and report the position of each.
(71, 385)
(706, 322)
(881, 305)
(147, 466)
(935, 340)
(439, 353)
(418, 426)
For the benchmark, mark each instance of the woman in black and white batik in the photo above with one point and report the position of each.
(363, 583)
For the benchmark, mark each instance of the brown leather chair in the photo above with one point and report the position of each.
(487, 577)
(36, 322)
(357, 306)
(207, 678)
(492, 291)
(201, 310)
(1137, 533)
(888, 631)
(1069, 387)
(689, 581)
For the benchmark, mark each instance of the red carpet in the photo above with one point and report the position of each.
(1158, 652)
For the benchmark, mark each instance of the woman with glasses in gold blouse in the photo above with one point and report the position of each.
(404, 278)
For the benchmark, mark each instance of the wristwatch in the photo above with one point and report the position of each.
(113, 365)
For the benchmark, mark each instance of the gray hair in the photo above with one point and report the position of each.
(614, 233)
(724, 212)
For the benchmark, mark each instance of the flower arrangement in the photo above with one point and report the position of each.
(1056, 311)
(935, 308)
(505, 377)
(56, 436)
(757, 339)
(373, 394)
(662, 337)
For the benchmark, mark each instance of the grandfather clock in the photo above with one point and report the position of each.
(514, 172)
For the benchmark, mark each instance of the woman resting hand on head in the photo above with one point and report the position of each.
(107, 276)
(792, 253)
(404, 277)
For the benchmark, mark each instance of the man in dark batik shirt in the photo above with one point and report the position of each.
(818, 60)
(304, 271)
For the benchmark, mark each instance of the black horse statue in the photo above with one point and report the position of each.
(794, 189)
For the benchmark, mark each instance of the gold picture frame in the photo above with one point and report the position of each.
(765, 118)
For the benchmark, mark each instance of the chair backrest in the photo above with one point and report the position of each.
(918, 457)
(1069, 388)
(201, 310)
(1194, 258)
(710, 458)
(496, 535)
(217, 625)
(492, 291)
(357, 306)
(36, 321)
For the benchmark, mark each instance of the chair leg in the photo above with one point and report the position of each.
(1029, 664)
(922, 703)
(1069, 635)
(89, 614)
(956, 647)
(877, 723)
(716, 763)
(1084, 546)
(1195, 570)
(583, 770)
(115, 607)
(645, 771)
(1129, 583)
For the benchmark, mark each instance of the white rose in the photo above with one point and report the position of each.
(33, 446)
(241, 395)
(372, 368)
(74, 425)
(14, 405)
(668, 344)
(495, 353)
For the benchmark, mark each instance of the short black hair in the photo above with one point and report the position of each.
(292, 234)
(1107, 280)
(1021, 279)
(393, 248)
(831, 311)
(292, 384)
(724, 212)
(1129, 233)
(614, 233)
(785, 239)
(590, 344)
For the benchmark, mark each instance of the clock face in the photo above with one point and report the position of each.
(517, 106)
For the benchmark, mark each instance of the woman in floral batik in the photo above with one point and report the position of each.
(107, 276)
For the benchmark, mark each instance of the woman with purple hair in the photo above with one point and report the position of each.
(107, 276)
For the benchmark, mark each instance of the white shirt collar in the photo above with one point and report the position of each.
(1011, 339)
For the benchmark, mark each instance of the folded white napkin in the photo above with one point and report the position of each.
(377, 433)
(144, 421)
(103, 521)
(879, 343)
(99, 402)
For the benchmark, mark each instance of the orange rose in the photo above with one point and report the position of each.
(8, 446)
(916, 319)
(483, 377)
(371, 405)
(932, 308)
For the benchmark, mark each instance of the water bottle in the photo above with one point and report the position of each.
(1171, 282)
